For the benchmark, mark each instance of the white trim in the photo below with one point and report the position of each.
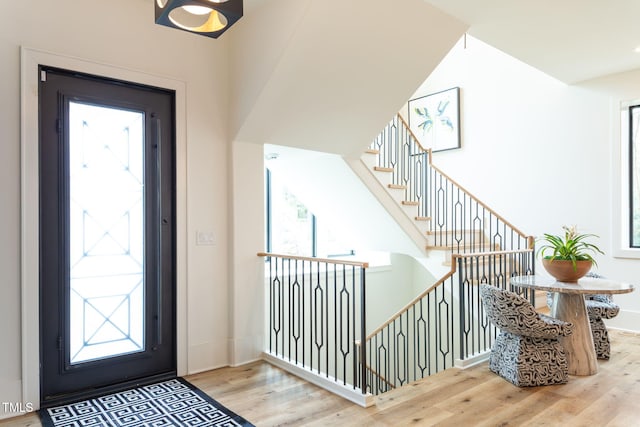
(626, 320)
(473, 360)
(346, 392)
(30, 60)
(620, 181)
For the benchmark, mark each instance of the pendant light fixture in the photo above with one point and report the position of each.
(209, 18)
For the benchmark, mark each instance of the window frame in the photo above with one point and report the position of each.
(632, 154)
(621, 183)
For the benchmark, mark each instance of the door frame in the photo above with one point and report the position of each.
(29, 203)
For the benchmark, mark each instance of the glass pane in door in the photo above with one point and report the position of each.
(106, 232)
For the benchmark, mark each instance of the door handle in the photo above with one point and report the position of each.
(157, 144)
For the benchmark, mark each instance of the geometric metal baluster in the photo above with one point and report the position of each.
(344, 309)
(319, 319)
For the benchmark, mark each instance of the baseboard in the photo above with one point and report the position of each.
(626, 320)
(473, 360)
(364, 400)
(246, 362)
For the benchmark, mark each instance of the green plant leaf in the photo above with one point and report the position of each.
(572, 247)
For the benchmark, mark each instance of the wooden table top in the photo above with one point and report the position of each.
(586, 285)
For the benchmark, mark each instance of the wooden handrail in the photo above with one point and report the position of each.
(413, 302)
(312, 259)
(374, 372)
(471, 195)
(450, 273)
(491, 253)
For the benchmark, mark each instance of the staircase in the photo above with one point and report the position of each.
(451, 218)
(445, 325)
(316, 326)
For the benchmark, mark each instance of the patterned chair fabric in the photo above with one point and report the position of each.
(527, 351)
(598, 307)
(601, 307)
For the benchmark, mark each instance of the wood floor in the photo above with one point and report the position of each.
(267, 396)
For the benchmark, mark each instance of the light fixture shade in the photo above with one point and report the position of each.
(209, 18)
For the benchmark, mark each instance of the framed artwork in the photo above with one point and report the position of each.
(435, 119)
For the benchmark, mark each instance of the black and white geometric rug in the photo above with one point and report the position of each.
(172, 403)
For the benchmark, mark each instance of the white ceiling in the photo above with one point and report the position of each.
(571, 40)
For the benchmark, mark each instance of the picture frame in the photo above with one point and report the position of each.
(434, 119)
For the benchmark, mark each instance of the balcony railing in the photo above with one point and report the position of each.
(316, 319)
(316, 315)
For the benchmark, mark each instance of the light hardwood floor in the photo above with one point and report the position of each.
(267, 396)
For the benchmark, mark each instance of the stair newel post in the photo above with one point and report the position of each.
(363, 331)
(463, 304)
(396, 160)
(531, 244)
(409, 175)
(423, 185)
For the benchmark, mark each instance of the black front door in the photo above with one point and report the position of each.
(107, 235)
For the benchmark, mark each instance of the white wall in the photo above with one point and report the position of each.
(391, 288)
(340, 70)
(536, 150)
(246, 332)
(625, 263)
(122, 34)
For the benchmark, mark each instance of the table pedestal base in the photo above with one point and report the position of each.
(581, 354)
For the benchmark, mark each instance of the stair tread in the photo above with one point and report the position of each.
(458, 232)
(423, 218)
(397, 186)
(372, 151)
(382, 169)
(410, 203)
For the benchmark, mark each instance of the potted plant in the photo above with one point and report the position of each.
(571, 256)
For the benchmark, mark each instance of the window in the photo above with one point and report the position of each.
(634, 176)
(293, 229)
(626, 179)
(290, 225)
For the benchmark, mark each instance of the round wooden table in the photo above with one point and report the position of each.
(569, 305)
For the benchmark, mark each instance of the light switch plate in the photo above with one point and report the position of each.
(205, 238)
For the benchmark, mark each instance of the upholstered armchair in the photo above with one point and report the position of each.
(601, 307)
(527, 351)
(598, 307)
